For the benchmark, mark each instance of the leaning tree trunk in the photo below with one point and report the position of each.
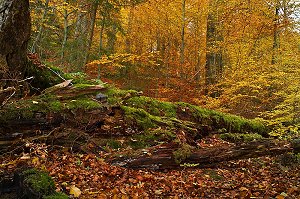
(15, 26)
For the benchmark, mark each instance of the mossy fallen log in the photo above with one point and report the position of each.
(72, 115)
(175, 156)
(196, 117)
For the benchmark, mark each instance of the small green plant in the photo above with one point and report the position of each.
(213, 174)
(189, 165)
(56, 196)
(78, 162)
(114, 144)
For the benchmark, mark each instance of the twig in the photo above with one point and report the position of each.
(23, 80)
(5, 101)
(56, 73)
(28, 78)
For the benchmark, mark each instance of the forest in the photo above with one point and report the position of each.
(150, 99)
(217, 54)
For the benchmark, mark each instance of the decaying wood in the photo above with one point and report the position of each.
(64, 90)
(162, 157)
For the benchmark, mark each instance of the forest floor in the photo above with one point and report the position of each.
(92, 146)
(263, 177)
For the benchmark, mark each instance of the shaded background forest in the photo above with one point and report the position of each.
(236, 56)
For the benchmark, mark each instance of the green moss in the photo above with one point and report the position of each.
(83, 103)
(164, 134)
(78, 77)
(82, 86)
(196, 111)
(144, 140)
(289, 159)
(114, 144)
(182, 153)
(43, 76)
(117, 96)
(38, 181)
(237, 137)
(115, 92)
(153, 106)
(218, 120)
(56, 196)
(151, 137)
(142, 118)
(27, 109)
(55, 106)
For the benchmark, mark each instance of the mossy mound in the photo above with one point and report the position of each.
(35, 184)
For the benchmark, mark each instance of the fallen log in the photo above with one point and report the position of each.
(162, 157)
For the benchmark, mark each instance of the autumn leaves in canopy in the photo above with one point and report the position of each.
(232, 55)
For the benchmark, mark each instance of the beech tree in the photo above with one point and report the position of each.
(14, 35)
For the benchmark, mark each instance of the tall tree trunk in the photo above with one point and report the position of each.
(65, 38)
(210, 61)
(214, 59)
(15, 26)
(198, 66)
(276, 34)
(90, 41)
(182, 40)
(112, 38)
(129, 27)
(101, 36)
(40, 31)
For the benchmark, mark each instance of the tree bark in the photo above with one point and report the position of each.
(15, 26)
(129, 27)
(93, 20)
(214, 59)
(64, 42)
(182, 40)
(275, 35)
